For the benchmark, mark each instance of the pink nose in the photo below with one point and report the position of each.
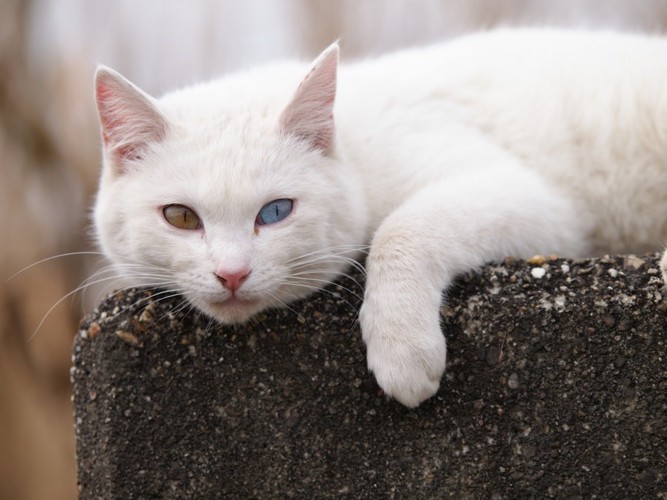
(232, 280)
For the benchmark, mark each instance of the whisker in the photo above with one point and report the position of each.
(324, 290)
(303, 267)
(211, 323)
(100, 277)
(304, 274)
(322, 257)
(284, 304)
(105, 276)
(183, 304)
(199, 315)
(134, 274)
(327, 282)
(355, 308)
(53, 257)
(329, 258)
(61, 300)
(156, 297)
(336, 250)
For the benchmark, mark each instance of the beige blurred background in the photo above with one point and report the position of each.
(49, 151)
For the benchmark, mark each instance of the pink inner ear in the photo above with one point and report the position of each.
(111, 119)
(309, 115)
(130, 121)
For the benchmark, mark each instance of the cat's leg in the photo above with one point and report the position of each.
(442, 231)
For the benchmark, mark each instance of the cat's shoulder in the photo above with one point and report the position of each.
(240, 88)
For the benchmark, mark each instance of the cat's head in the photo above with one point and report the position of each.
(230, 193)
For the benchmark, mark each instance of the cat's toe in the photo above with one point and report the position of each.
(408, 389)
(408, 373)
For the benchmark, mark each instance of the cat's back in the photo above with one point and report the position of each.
(498, 73)
(586, 109)
(571, 94)
(513, 69)
(565, 92)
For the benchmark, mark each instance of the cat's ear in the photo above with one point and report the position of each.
(309, 115)
(129, 118)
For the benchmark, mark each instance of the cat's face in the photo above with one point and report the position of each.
(238, 206)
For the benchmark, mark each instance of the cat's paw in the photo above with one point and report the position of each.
(408, 363)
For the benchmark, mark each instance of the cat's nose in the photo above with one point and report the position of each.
(232, 280)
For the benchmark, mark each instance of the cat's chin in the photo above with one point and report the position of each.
(232, 310)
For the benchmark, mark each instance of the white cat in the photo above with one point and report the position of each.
(250, 191)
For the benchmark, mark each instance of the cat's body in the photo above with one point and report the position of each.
(442, 158)
(585, 111)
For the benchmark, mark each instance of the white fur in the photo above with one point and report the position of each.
(444, 158)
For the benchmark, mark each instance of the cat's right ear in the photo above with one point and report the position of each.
(129, 118)
(309, 115)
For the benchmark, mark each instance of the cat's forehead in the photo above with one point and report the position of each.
(237, 133)
(231, 168)
(240, 145)
(255, 96)
(235, 119)
(238, 123)
(225, 145)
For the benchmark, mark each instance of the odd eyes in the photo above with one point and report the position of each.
(274, 211)
(183, 217)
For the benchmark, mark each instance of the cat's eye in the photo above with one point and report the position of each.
(274, 211)
(181, 217)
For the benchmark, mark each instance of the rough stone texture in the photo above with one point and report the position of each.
(556, 387)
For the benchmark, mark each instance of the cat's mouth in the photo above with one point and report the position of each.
(232, 309)
(234, 301)
(234, 305)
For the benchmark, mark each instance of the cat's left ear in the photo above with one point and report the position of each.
(309, 115)
(130, 119)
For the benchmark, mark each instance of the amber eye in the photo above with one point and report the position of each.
(181, 217)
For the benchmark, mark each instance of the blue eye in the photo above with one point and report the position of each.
(274, 211)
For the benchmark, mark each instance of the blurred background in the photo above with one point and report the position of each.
(49, 152)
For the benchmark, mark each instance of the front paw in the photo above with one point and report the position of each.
(408, 363)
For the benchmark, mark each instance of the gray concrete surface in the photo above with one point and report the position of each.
(556, 387)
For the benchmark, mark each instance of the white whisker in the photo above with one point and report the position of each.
(156, 297)
(182, 305)
(62, 299)
(327, 282)
(283, 303)
(53, 257)
(107, 275)
(328, 258)
(336, 250)
(304, 275)
(323, 290)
